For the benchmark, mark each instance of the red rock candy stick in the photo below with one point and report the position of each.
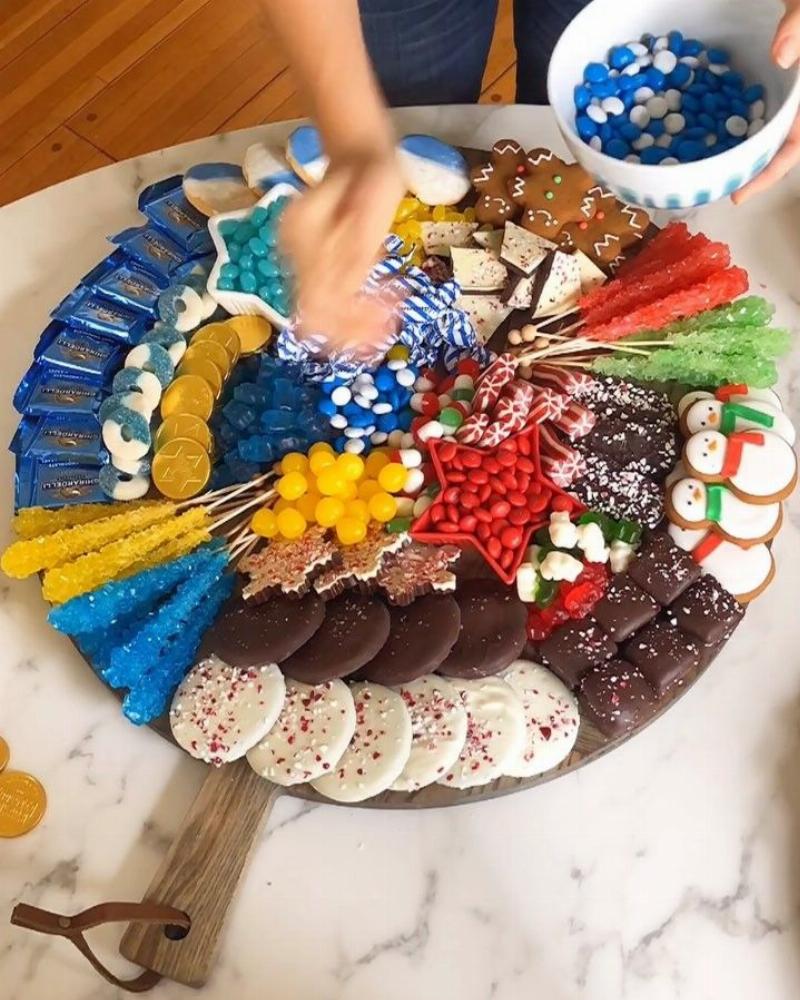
(697, 266)
(720, 289)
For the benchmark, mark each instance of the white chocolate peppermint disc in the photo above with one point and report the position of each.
(551, 718)
(495, 732)
(378, 751)
(219, 712)
(312, 732)
(439, 729)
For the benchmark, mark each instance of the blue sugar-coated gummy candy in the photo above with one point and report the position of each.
(248, 282)
(247, 261)
(606, 88)
(221, 476)
(595, 72)
(587, 129)
(719, 56)
(256, 448)
(583, 97)
(259, 216)
(675, 43)
(290, 442)
(655, 79)
(689, 150)
(680, 76)
(691, 47)
(277, 420)
(690, 103)
(733, 79)
(283, 393)
(652, 155)
(227, 434)
(312, 424)
(656, 128)
(621, 56)
(629, 131)
(240, 470)
(239, 414)
(387, 422)
(754, 93)
(252, 395)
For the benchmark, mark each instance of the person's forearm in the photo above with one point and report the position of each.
(325, 48)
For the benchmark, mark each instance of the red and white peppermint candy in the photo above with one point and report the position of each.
(561, 379)
(496, 377)
(473, 428)
(510, 414)
(576, 421)
(547, 405)
(560, 463)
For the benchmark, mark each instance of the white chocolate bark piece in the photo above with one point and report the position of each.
(562, 290)
(478, 270)
(590, 274)
(439, 729)
(551, 718)
(495, 732)
(378, 751)
(439, 237)
(489, 239)
(522, 249)
(312, 732)
(219, 712)
(485, 313)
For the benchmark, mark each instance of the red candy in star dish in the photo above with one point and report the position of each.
(493, 500)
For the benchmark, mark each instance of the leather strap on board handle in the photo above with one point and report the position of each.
(72, 928)
(200, 873)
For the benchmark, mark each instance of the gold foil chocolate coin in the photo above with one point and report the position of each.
(222, 334)
(205, 369)
(254, 332)
(188, 394)
(181, 469)
(22, 803)
(184, 425)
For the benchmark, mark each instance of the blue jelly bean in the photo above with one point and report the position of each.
(248, 282)
(629, 131)
(350, 409)
(719, 56)
(712, 82)
(617, 148)
(405, 418)
(675, 42)
(690, 119)
(680, 76)
(257, 247)
(621, 56)
(384, 379)
(595, 72)
(628, 99)
(688, 150)
(587, 129)
(656, 128)
(361, 419)
(653, 155)
(740, 108)
(327, 406)
(247, 261)
(583, 97)
(691, 103)
(655, 79)
(709, 103)
(754, 93)
(628, 84)
(229, 271)
(691, 47)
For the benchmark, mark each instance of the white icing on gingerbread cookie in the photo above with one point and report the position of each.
(756, 464)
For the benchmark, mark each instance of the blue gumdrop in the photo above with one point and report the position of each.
(257, 448)
(595, 72)
(253, 395)
(277, 420)
(587, 129)
(583, 97)
(239, 414)
(282, 393)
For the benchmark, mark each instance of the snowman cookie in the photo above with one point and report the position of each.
(731, 394)
(745, 573)
(691, 503)
(750, 414)
(758, 466)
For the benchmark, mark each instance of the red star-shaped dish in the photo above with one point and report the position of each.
(493, 500)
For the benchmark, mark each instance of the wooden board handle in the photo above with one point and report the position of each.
(200, 873)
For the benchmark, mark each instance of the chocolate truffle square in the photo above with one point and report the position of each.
(707, 611)
(663, 570)
(665, 655)
(616, 698)
(575, 647)
(624, 608)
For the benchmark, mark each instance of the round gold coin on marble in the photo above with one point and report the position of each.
(222, 334)
(254, 332)
(181, 469)
(184, 425)
(5, 753)
(214, 352)
(22, 803)
(205, 369)
(188, 394)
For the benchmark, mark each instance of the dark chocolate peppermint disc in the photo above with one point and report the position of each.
(420, 637)
(355, 628)
(492, 633)
(247, 635)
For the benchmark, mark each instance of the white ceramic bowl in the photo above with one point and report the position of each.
(745, 27)
(243, 303)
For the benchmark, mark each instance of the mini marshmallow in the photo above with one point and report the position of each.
(527, 582)
(592, 542)
(560, 566)
(563, 533)
(620, 556)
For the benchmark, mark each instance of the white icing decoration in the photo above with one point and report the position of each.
(740, 571)
(705, 452)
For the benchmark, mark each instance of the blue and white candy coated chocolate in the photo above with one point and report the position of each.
(434, 171)
(217, 187)
(666, 100)
(305, 154)
(152, 358)
(126, 433)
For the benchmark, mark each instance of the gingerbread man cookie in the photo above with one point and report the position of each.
(608, 231)
(552, 193)
(492, 181)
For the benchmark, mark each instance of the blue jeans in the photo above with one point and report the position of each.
(434, 51)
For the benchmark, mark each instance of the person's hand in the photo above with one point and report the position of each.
(332, 235)
(785, 52)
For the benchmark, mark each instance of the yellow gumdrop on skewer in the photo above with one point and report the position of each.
(292, 486)
(293, 461)
(307, 505)
(330, 482)
(382, 507)
(367, 489)
(357, 509)
(375, 462)
(320, 446)
(320, 460)
(350, 466)
(392, 477)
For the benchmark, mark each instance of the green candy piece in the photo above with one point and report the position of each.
(607, 524)
(398, 525)
(463, 395)
(546, 592)
(542, 538)
(629, 532)
(433, 490)
(451, 417)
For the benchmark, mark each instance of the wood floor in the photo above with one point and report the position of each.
(89, 82)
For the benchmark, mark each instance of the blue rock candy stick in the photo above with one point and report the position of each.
(102, 608)
(152, 693)
(138, 653)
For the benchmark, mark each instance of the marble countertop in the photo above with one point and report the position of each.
(669, 869)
